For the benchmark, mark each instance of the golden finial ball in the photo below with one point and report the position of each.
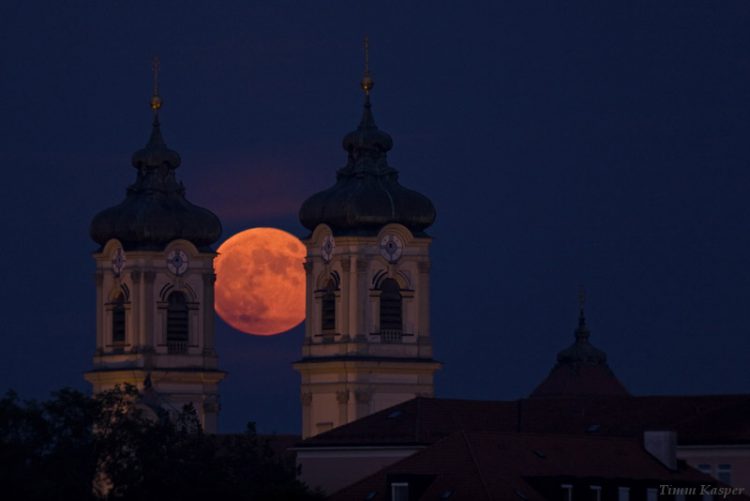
(155, 103)
(367, 84)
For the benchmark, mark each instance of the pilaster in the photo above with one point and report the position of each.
(423, 282)
(342, 397)
(136, 315)
(208, 279)
(99, 280)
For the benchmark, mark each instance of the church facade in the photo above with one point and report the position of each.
(155, 289)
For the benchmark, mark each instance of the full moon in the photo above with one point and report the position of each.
(260, 281)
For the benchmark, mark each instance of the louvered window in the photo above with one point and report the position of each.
(118, 320)
(177, 323)
(390, 306)
(328, 308)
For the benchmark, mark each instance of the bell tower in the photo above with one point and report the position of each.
(367, 339)
(155, 287)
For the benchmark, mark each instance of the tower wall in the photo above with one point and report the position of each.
(180, 371)
(359, 367)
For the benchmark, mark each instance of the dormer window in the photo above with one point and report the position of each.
(724, 473)
(596, 492)
(400, 491)
(567, 492)
(623, 494)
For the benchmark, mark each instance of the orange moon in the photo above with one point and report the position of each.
(260, 281)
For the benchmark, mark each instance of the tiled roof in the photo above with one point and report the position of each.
(580, 380)
(718, 419)
(499, 466)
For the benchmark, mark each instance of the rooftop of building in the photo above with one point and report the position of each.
(699, 419)
(491, 465)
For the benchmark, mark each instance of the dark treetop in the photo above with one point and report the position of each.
(155, 211)
(367, 194)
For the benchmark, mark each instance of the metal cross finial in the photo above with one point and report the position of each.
(156, 99)
(367, 83)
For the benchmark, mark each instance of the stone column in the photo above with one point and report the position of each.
(306, 400)
(344, 303)
(100, 341)
(363, 398)
(148, 310)
(207, 311)
(352, 298)
(362, 299)
(309, 298)
(423, 298)
(136, 311)
(211, 414)
(342, 397)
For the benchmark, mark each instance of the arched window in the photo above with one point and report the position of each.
(118, 319)
(177, 323)
(328, 308)
(390, 307)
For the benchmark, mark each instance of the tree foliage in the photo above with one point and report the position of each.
(113, 446)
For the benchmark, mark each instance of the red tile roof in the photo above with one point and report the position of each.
(499, 466)
(580, 380)
(719, 419)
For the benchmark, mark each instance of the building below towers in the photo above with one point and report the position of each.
(579, 435)
(373, 429)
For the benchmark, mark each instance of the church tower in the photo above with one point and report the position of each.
(367, 338)
(155, 287)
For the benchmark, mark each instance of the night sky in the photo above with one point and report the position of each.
(562, 143)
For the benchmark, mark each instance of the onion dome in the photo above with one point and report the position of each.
(367, 194)
(582, 352)
(155, 210)
(581, 370)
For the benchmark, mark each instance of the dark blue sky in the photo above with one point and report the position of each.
(562, 144)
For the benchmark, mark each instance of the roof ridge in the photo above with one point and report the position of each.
(476, 464)
(554, 435)
(696, 395)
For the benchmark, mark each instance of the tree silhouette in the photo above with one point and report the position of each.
(115, 446)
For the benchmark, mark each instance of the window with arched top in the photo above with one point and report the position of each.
(328, 308)
(177, 322)
(118, 319)
(391, 307)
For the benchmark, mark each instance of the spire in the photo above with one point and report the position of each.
(582, 332)
(367, 82)
(581, 368)
(581, 351)
(156, 98)
(367, 194)
(156, 152)
(155, 210)
(367, 145)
